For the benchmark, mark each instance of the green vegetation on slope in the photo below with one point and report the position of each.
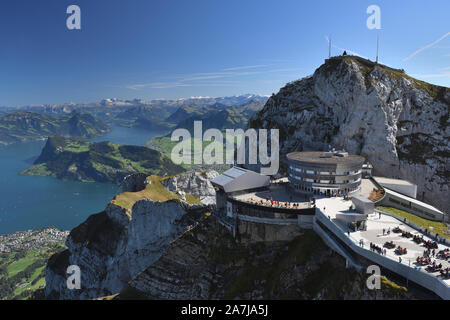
(439, 228)
(367, 66)
(25, 126)
(154, 191)
(79, 159)
(22, 271)
(165, 145)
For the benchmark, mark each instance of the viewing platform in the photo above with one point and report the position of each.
(388, 242)
(277, 196)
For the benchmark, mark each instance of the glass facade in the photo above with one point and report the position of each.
(325, 178)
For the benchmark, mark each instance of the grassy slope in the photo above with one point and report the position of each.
(165, 145)
(21, 274)
(154, 191)
(437, 227)
(76, 159)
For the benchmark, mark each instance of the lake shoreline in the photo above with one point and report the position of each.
(35, 202)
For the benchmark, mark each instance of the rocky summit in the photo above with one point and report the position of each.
(400, 124)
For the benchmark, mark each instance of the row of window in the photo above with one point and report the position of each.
(324, 190)
(299, 170)
(323, 181)
(413, 208)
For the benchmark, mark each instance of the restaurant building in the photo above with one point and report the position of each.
(328, 173)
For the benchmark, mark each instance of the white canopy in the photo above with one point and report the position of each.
(239, 179)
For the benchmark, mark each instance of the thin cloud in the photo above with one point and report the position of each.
(213, 78)
(428, 46)
(247, 67)
(158, 85)
(435, 75)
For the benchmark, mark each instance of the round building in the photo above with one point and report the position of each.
(329, 173)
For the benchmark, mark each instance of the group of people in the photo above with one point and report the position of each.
(423, 261)
(434, 267)
(445, 273)
(279, 204)
(389, 245)
(444, 254)
(430, 244)
(276, 204)
(407, 234)
(428, 254)
(377, 249)
(400, 251)
(397, 230)
(418, 239)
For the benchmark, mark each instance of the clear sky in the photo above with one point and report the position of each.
(172, 49)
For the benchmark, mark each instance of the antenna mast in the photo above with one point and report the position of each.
(329, 48)
(378, 41)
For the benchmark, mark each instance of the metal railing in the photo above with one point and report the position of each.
(419, 228)
(426, 280)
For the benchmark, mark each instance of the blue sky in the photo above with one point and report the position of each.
(173, 49)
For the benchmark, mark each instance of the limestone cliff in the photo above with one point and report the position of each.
(400, 124)
(195, 183)
(206, 262)
(111, 247)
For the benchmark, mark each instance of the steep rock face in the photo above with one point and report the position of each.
(111, 248)
(195, 183)
(398, 123)
(207, 263)
(252, 232)
(134, 182)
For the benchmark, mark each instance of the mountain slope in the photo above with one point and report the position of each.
(206, 262)
(398, 123)
(113, 246)
(25, 126)
(79, 159)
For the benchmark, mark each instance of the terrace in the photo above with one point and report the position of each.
(277, 195)
(409, 247)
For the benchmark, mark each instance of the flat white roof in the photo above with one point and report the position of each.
(239, 179)
(382, 180)
(362, 199)
(412, 200)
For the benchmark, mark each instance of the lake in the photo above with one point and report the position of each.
(29, 202)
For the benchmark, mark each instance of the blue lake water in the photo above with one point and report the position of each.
(28, 202)
(123, 135)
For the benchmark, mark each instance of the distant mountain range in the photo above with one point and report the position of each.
(217, 116)
(155, 115)
(26, 126)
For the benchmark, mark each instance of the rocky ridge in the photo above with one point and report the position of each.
(400, 124)
(206, 262)
(113, 246)
(195, 183)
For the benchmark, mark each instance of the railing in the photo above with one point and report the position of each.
(336, 246)
(281, 205)
(420, 277)
(416, 227)
(380, 187)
